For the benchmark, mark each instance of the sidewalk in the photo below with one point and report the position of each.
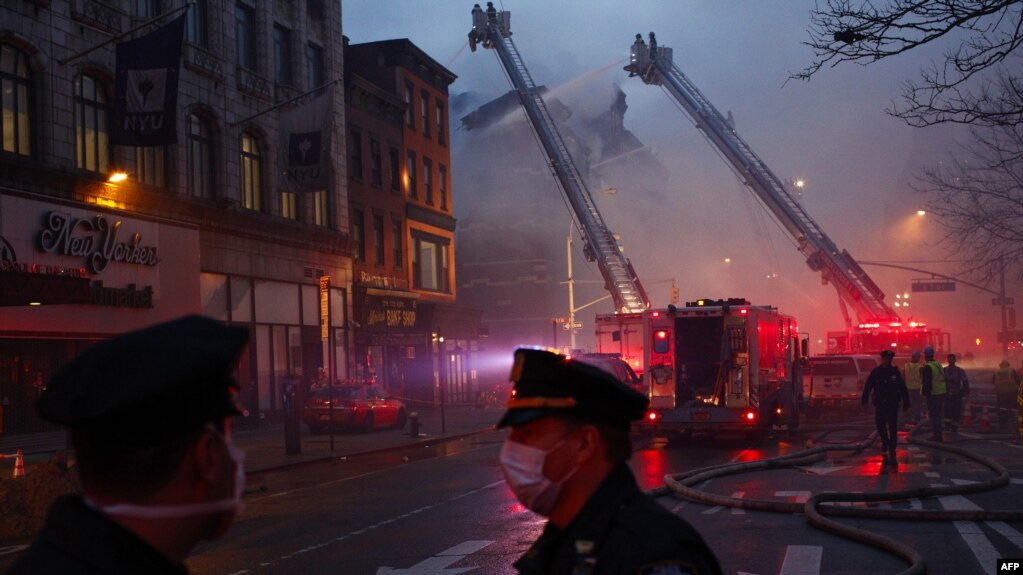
(264, 444)
(264, 447)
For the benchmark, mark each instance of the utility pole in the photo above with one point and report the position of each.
(1003, 302)
(571, 294)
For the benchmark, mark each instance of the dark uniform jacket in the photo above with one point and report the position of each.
(888, 386)
(630, 534)
(78, 540)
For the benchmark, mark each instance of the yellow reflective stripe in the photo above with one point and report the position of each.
(539, 402)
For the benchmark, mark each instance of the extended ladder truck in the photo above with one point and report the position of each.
(491, 29)
(878, 326)
(737, 368)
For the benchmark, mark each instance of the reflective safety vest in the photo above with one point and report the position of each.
(937, 378)
(1004, 382)
(912, 374)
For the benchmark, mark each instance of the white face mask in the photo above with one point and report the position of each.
(523, 469)
(233, 504)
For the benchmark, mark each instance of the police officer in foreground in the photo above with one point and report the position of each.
(889, 388)
(149, 415)
(565, 459)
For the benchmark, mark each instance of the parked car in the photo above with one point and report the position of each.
(360, 406)
(614, 365)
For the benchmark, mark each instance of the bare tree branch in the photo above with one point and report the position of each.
(978, 197)
(989, 34)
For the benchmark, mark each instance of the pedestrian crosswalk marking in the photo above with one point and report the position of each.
(797, 496)
(971, 532)
(802, 560)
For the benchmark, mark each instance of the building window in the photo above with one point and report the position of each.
(392, 155)
(245, 28)
(151, 165)
(428, 180)
(282, 55)
(359, 234)
(195, 29)
(200, 157)
(442, 185)
(397, 236)
(145, 8)
(289, 205)
(320, 206)
(424, 112)
(314, 66)
(410, 166)
(252, 179)
(441, 138)
(410, 110)
(376, 163)
(378, 239)
(429, 263)
(92, 145)
(16, 88)
(355, 154)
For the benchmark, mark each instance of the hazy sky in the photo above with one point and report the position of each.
(858, 162)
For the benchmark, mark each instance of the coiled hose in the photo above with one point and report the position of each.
(681, 485)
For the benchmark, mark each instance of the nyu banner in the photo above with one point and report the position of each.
(305, 139)
(147, 87)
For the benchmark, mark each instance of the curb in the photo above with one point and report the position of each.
(321, 459)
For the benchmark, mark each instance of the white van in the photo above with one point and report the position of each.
(835, 382)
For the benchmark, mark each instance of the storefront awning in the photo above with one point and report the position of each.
(19, 288)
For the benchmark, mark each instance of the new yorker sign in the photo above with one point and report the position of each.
(97, 240)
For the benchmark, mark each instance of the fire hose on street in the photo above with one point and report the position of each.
(816, 509)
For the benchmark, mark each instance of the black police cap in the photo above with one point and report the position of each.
(151, 384)
(887, 353)
(548, 383)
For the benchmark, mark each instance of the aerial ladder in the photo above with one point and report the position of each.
(653, 64)
(491, 29)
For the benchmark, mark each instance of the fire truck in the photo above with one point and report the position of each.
(712, 365)
(877, 326)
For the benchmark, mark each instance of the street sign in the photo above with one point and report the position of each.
(933, 285)
(1002, 301)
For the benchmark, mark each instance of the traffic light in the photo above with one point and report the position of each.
(1012, 316)
(674, 294)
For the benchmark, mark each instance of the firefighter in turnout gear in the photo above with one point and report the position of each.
(889, 389)
(934, 389)
(1006, 382)
(958, 386)
(913, 383)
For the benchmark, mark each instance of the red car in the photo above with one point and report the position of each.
(362, 406)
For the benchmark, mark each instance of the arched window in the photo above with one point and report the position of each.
(200, 157)
(252, 179)
(16, 88)
(92, 144)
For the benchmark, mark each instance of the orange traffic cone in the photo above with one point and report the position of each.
(968, 415)
(985, 422)
(19, 465)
